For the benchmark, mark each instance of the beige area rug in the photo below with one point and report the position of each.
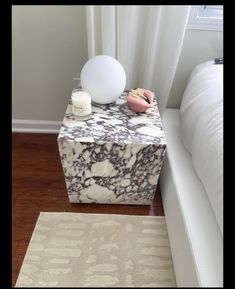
(97, 250)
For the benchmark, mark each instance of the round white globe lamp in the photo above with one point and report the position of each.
(104, 78)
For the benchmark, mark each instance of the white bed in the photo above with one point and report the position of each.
(191, 179)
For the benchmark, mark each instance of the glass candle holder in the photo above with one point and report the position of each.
(81, 104)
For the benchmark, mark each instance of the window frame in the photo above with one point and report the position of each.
(198, 21)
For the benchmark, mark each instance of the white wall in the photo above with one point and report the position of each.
(198, 46)
(49, 48)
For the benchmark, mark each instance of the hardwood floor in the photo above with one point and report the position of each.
(38, 186)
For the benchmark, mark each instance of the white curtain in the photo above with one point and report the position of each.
(146, 40)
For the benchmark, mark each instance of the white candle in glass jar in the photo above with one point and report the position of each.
(81, 103)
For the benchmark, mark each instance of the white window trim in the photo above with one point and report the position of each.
(203, 23)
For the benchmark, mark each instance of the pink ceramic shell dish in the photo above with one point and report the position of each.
(138, 104)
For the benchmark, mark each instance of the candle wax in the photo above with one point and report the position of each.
(81, 103)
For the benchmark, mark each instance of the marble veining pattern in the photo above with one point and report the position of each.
(113, 157)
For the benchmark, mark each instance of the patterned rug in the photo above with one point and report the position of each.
(97, 250)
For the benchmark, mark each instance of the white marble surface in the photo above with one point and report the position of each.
(113, 157)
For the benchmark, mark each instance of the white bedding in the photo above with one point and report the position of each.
(201, 128)
(194, 235)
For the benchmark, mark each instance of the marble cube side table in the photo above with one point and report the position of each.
(115, 157)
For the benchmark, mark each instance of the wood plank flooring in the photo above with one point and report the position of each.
(38, 186)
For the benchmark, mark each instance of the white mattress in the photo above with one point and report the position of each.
(195, 238)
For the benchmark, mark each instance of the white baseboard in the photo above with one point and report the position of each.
(36, 126)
